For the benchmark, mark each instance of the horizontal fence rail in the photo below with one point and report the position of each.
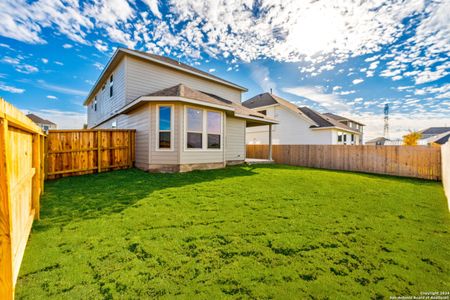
(409, 161)
(79, 152)
(21, 184)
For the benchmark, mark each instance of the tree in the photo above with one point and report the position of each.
(411, 138)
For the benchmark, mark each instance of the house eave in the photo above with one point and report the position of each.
(335, 128)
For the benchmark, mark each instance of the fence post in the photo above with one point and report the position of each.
(99, 153)
(130, 155)
(6, 269)
(36, 184)
(43, 154)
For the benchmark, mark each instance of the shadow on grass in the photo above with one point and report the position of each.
(90, 196)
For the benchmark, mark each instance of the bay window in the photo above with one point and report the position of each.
(194, 128)
(203, 129)
(214, 129)
(165, 127)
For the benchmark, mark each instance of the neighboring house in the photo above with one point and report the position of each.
(379, 141)
(300, 125)
(434, 136)
(43, 123)
(184, 118)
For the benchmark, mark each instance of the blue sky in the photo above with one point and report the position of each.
(347, 58)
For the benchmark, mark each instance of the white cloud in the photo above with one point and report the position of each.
(101, 45)
(52, 97)
(60, 89)
(10, 60)
(321, 34)
(26, 69)
(11, 89)
(59, 63)
(343, 93)
(153, 5)
(67, 46)
(261, 75)
(212, 70)
(19, 66)
(317, 94)
(99, 65)
(357, 81)
(44, 60)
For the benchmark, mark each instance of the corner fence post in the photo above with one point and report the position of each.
(6, 269)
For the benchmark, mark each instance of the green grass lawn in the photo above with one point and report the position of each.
(241, 232)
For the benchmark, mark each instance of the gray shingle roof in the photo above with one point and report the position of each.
(435, 130)
(320, 120)
(341, 118)
(182, 90)
(39, 120)
(443, 140)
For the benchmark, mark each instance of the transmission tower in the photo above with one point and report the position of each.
(386, 121)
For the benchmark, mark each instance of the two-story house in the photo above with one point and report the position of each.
(184, 118)
(300, 125)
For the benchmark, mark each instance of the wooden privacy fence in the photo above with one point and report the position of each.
(78, 152)
(409, 161)
(21, 184)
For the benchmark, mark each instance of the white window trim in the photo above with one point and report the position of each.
(204, 131)
(172, 129)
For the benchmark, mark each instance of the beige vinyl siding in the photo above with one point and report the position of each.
(161, 157)
(138, 119)
(145, 77)
(235, 139)
(107, 106)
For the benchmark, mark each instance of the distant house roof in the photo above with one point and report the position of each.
(341, 118)
(443, 140)
(39, 120)
(319, 120)
(162, 60)
(380, 139)
(200, 97)
(434, 130)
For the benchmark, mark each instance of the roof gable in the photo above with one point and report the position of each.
(120, 53)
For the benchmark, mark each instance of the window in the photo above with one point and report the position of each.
(165, 127)
(203, 129)
(114, 124)
(214, 129)
(111, 87)
(194, 128)
(345, 138)
(339, 137)
(353, 138)
(264, 112)
(95, 104)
